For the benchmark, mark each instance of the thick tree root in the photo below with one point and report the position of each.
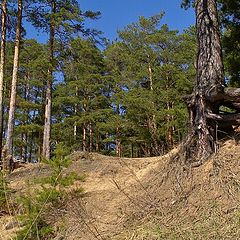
(192, 154)
(208, 123)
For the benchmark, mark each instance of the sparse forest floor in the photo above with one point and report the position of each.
(146, 198)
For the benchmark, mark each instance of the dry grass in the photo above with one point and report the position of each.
(198, 203)
(151, 198)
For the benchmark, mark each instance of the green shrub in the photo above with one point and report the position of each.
(39, 203)
(4, 190)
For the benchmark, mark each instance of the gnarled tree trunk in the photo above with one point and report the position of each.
(205, 118)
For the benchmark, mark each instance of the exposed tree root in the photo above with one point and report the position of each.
(208, 120)
(208, 123)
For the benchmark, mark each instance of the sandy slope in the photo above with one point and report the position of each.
(108, 189)
(149, 198)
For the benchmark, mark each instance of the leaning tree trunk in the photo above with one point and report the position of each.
(8, 148)
(2, 66)
(206, 120)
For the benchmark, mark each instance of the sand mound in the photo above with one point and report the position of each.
(148, 198)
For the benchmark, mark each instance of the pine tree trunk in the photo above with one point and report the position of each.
(132, 150)
(118, 143)
(2, 67)
(150, 76)
(152, 119)
(48, 104)
(47, 119)
(75, 112)
(84, 139)
(25, 148)
(10, 127)
(90, 137)
(75, 131)
(97, 142)
(42, 91)
(29, 158)
(207, 95)
(27, 113)
(21, 147)
(170, 127)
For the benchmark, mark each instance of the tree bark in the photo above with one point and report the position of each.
(170, 129)
(10, 127)
(150, 76)
(2, 67)
(118, 143)
(84, 138)
(97, 142)
(48, 104)
(90, 137)
(152, 123)
(209, 90)
(75, 113)
(29, 159)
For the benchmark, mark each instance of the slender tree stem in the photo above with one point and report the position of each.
(2, 67)
(11, 117)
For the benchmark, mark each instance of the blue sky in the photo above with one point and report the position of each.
(116, 14)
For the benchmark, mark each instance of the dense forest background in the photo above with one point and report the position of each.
(122, 98)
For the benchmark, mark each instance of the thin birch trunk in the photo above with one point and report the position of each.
(9, 140)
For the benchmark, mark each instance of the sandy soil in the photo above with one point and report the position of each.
(130, 198)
